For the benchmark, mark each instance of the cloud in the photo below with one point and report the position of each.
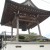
(47, 35)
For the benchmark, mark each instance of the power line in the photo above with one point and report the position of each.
(45, 1)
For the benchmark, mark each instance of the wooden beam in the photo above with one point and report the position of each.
(27, 17)
(44, 15)
(27, 20)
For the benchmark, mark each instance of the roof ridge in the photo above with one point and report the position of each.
(33, 5)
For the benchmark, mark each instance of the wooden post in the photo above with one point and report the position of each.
(11, 33)
(4, 34)
(39, 30)
(29, 31)
(17, 25)
(38, 26)
(17, 38)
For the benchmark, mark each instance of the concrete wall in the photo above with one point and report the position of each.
(27, 47)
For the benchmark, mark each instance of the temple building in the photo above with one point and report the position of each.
(23, 16)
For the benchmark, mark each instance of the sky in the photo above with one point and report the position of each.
(45, 25)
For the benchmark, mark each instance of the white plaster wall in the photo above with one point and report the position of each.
(26, 47)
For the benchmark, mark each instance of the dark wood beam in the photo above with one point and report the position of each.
(27, 20)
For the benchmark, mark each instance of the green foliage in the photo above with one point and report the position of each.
(33, 33)
(21, 37)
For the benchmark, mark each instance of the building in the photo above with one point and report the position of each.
(25, 16)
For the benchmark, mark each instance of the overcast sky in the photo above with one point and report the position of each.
(45, 25)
